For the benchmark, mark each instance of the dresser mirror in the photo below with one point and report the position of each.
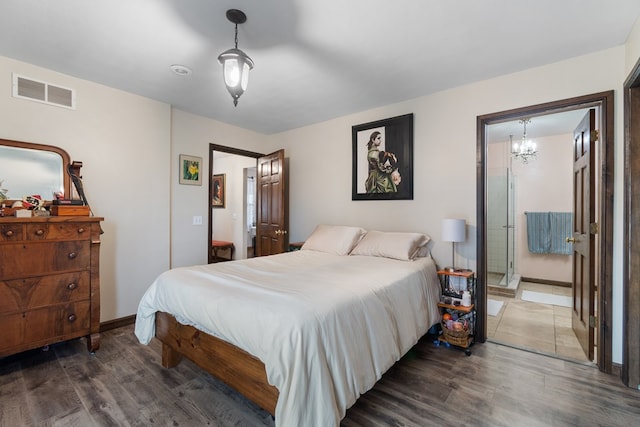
(28, 169)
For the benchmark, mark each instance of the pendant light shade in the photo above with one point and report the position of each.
(235, 63)
(235, 67)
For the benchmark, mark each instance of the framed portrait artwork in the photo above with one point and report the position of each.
(383, 159)
(218, 190)
(190, 170)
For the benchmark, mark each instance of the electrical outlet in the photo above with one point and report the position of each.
(197, 220)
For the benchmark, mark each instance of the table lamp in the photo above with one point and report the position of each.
(453, 230)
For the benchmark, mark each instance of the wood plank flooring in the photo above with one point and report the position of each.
(123, 384)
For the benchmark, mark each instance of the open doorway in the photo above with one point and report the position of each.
(251, 208)
(600, 284)
(232, 203)
(529, 219)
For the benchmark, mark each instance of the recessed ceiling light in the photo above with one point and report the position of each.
(181, 70)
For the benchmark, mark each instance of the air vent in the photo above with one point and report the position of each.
(43, 92)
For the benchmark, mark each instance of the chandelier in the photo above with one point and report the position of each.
(235, 63)
(526, 149)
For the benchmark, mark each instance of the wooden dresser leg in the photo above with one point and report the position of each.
(93, 342)
(170, 357)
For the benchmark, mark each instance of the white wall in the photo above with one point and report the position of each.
(191, 134)
(632, 48)
(123, 142)
(444, 151)
(544, 185)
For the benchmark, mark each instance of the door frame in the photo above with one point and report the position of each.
(630, 374)
(604, 103)
(229, 150)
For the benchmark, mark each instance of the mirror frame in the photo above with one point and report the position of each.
(66, 160)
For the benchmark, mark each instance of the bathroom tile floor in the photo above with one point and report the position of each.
(542, 328)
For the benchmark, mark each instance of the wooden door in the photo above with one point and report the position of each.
(583, 313)
(272, 229)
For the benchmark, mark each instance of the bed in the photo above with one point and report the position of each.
(303, 334)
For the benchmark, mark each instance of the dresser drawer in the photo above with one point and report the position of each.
(43, 326)
(11, 232)
(58, 231)
(57, 322)
(39, 258)
(24, 294)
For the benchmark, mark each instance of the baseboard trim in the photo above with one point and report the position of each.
(117, 323)
(546, 282)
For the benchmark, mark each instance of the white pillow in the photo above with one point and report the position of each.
(403, 246)
(334, 239)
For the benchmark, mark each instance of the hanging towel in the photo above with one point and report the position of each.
(561, 225)
(538, 232)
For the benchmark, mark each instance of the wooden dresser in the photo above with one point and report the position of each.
(49, 281)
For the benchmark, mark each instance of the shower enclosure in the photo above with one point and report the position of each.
(501, 229)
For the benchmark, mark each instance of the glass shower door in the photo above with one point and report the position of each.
(497, 221)
(511, 228)
(500, 227)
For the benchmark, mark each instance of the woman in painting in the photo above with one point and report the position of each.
(217, 197)
(383, 172)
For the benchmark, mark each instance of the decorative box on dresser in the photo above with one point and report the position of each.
(49, 281)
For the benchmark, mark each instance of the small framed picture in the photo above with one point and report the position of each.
(190, 170)
(218, 190)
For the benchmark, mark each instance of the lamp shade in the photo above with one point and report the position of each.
(236, 66)
(235, 63)
(453, 230)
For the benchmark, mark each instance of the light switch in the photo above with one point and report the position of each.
(197, 220)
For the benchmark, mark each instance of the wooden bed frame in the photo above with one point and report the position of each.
(226, 362)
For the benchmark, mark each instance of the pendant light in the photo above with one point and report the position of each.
(526, 150)
(235, 63)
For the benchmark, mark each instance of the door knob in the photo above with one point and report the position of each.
(571, 240)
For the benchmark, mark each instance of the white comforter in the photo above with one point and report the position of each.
(325, 326)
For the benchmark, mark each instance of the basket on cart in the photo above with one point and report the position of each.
(459, 337)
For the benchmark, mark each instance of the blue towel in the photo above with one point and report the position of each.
(547, 232)
(561, 227)
(538, 232)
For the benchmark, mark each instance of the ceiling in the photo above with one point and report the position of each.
(540, 126)
(314, 60)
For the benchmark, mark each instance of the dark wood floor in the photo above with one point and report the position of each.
(123, 384)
